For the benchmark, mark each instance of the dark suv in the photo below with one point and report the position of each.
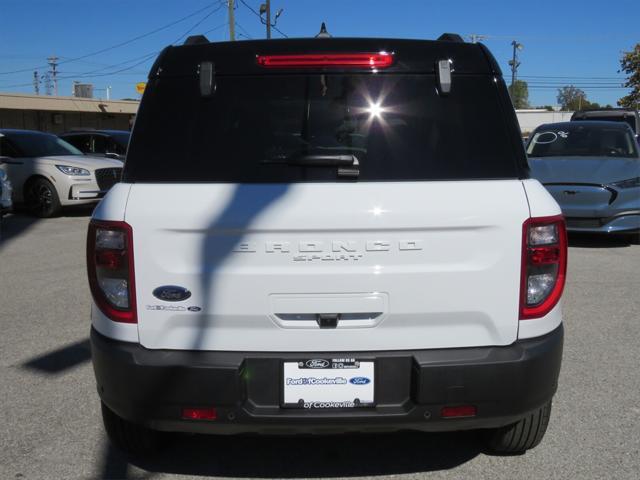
(103, 143)
(629, 116)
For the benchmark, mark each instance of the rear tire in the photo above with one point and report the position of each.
(42, 198)
(523, 435)
(129, 437)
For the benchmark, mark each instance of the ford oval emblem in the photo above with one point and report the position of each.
(317, 363)
(171, 293)
(359, 380)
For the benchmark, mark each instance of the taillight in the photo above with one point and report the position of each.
(344, 60)
(110, 268)
(544, 265)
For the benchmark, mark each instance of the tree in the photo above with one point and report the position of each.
(630, 65)
(519, 92)
(572, 98)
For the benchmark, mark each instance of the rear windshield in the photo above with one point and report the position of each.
(631, 120)
(274, 128)
(567, 140)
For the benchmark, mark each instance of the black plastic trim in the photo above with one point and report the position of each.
(151, 386)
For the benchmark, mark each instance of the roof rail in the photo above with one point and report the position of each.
(196, 40)
(450, 37)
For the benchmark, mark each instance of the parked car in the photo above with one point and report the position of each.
(626, 115)
(350, 242)
(47, 173)
(6, 189)
(592, 169)
(102, 143)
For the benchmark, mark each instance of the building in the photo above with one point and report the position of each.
(59, 114)
(532, 118)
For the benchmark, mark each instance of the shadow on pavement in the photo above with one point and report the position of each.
(314, 456)
(20, 221)
(62, 359)
(590, 240)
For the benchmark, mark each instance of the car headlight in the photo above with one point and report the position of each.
(75, 171)
(629, 183)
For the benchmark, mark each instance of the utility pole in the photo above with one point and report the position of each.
(53, 63)
(232, 21)
(268, 3)
(514, 61)
(475, 38)
(36, 82)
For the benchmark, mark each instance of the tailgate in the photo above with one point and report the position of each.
(400, 265)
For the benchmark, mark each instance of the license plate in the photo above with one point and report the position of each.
(326, 383)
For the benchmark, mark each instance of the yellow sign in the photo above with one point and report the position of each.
(140, 87)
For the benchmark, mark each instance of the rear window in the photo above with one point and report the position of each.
(567, 140)
(631, 120)
(264, 128)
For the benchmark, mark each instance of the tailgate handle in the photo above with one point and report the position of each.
(328, 320)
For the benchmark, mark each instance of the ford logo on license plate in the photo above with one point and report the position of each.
(359, 380)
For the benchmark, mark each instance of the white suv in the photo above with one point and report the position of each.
(348, 242)
(48, 174)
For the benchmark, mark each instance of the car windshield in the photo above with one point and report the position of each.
(36, 144)
(566, 140)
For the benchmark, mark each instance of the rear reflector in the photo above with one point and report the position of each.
(199, 414)
(460, 411)
(344, 60)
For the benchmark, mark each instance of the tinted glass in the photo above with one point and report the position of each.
(118, 143)
(81, 142)
(99, 144)
(254, 127)
(568, 140)
(608, 118)
(40, 144)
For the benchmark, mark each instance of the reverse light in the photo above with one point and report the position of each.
(73, 171)
(344, 60)
(110, 268)
(544, 265)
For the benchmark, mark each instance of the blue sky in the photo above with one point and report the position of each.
(570, 42)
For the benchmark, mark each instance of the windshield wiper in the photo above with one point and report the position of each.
(348, 165)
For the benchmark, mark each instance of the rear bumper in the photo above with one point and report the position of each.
(152, 386)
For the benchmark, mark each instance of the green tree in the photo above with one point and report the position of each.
(519, 92)
(573, 98)
(630, 65)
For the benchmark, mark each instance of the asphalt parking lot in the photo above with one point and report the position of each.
(51, 426)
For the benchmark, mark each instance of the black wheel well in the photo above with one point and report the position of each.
(30, 180)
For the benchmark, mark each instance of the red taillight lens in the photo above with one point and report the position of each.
(344, 60)
(544, 265)
(199, 413)
(110, 268)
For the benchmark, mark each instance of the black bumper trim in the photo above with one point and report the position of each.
(152, 386)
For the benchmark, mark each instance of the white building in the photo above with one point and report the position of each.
(532, 118)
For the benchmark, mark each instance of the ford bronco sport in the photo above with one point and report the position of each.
(349, 242)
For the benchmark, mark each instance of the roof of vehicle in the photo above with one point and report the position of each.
(586, 123)
(606, 112)
(91, 130)
(419, 56)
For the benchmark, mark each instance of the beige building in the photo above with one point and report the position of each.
(61, 114)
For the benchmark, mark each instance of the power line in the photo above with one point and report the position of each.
(142, 59)
(121, 44)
